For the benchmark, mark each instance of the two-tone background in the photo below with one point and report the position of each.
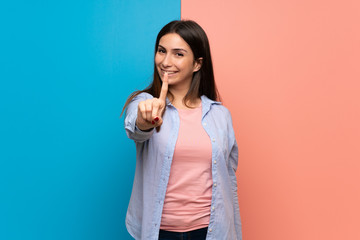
(288, 70)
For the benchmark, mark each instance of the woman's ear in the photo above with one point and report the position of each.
(198, 64)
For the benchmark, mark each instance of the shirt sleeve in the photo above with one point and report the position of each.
(132, 131)
(232, 167)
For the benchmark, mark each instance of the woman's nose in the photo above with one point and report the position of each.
(166, 62)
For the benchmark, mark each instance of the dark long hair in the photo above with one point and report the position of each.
(203, 82)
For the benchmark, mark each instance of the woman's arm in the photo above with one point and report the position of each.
(232, 167)
(132, 131)
(233, 163)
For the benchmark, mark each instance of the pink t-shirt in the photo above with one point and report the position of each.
(188, 195)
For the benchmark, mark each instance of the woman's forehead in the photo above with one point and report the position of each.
(173, 41)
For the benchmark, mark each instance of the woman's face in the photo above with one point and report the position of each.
(175, 57)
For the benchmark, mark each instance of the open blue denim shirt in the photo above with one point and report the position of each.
(154, 153)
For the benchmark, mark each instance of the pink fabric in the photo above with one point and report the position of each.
(188, 196)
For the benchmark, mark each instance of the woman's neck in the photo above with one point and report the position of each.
(178, 93)
(177, 100)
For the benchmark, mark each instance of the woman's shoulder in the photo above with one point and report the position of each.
(142, 96)
(216, 107)
(220, 108)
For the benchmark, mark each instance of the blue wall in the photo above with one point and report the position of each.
(66, 69)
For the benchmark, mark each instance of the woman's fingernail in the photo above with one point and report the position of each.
(153, 122)
(156, 119)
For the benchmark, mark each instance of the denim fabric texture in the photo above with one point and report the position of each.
(154, 153)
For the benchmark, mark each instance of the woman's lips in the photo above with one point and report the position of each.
(170, 73)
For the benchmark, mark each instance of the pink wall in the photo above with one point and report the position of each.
(289, 71)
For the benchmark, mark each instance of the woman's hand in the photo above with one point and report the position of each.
(150, 111)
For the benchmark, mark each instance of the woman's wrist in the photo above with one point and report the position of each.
(143, 129)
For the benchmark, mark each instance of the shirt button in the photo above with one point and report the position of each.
(204, 124)
(213, 208)
(215, 184)
(214, 161)
(213, 139)
(210, 229)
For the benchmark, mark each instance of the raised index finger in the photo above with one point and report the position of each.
(164, 88)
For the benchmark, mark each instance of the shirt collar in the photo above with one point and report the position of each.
(206, 104)
(206, 100)
(167, 102)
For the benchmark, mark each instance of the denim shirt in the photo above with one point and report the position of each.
(154, 153)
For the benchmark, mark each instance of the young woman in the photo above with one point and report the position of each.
(185, 184)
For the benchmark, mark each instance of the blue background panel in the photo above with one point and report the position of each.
(66, 69)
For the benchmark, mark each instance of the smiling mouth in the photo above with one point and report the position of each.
(168, 72)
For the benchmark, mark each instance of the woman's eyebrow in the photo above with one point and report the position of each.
(174, 49)
(179, 49)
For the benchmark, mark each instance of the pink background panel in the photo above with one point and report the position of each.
(289, 71)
